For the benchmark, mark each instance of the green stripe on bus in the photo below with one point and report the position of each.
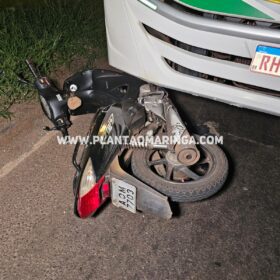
(232, 7)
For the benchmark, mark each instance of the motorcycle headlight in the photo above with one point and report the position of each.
(46, 107)
(88, 179)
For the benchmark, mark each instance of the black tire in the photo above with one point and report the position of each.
(190, 191)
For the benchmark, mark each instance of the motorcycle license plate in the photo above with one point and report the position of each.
(267, 61)
(123, 195)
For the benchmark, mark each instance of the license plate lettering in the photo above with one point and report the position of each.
(125, 198)
(267, 61)
(124, 195)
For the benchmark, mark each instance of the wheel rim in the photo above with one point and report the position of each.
(161, 164)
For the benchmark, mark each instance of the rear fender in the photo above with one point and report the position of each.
(148, 200)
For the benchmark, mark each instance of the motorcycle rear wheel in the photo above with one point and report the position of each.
(208, 175)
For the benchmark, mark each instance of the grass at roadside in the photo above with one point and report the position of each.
(52, 33)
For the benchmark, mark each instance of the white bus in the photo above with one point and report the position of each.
(227, 50)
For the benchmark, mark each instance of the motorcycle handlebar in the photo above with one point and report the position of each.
(32, 69)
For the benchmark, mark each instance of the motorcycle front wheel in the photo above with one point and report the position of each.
(182, 183)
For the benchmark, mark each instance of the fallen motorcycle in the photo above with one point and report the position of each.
(137, 176)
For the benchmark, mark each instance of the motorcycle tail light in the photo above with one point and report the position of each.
(92, 194)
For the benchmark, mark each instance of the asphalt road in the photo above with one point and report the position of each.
(234, 235)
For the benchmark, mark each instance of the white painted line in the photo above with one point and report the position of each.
(10, 166)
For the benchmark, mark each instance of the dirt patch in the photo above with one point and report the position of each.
(62, 73)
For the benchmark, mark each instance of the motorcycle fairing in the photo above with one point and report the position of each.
(128, 117)
(101, 88)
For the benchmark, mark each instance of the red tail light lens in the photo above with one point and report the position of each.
(92, 194)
